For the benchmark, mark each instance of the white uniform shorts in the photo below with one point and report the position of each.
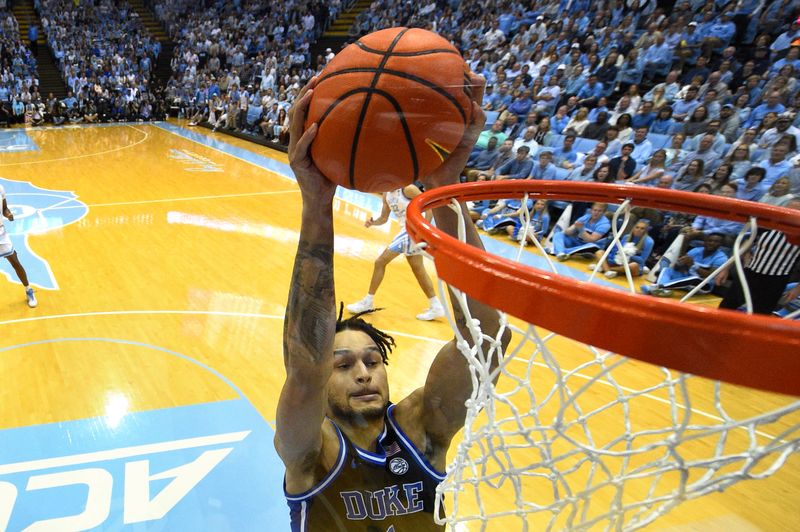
(402, 244)
(6, 247)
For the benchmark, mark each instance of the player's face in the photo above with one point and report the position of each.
(358, 388)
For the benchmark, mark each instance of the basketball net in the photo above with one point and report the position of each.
(574, 438)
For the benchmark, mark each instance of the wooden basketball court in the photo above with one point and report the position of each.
(161, 257)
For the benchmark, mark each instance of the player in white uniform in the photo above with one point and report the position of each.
(397, 201)
(7, 251)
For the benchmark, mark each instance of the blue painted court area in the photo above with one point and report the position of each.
(37, 210)
(16, 140)
(208, 466)
(156, 470)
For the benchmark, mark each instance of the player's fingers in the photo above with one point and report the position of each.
(307, 87)
(297, 118)
(478, 117)
(477, 86)
(304, 143)
(474, 128)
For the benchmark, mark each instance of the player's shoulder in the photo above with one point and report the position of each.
(409, 412)
(308, 471)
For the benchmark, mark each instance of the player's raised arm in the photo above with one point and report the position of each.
(310, 322)
(440, 406)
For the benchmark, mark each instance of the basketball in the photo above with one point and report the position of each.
(390, 108)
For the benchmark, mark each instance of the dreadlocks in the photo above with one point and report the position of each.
(384, 342)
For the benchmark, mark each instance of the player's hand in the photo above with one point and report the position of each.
(9, 215)
(369, 222)
(314, 186)
(449, 172)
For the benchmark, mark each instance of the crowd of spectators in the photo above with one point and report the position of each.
(19, 84)
(239, 65)
(106, 58)
(703, 97)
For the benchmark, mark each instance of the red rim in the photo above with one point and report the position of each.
(749, 350)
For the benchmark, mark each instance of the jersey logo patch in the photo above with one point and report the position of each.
(398, 466)
(392, 449)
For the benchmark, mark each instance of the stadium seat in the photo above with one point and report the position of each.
(491, 118)
(561, 174)
(659, 141)
(583, 145)
(556, 141)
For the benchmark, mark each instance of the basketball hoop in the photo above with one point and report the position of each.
(688, 349)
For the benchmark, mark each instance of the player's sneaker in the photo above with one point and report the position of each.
(562, 257)
(610, 274)
(361, 305)
(435, 311)
(31, 298)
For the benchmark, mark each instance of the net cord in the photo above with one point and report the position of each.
(481, 350)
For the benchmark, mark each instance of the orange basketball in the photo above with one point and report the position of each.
(390, 108)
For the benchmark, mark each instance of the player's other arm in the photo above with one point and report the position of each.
(6, 211)
(411, 192)
(437, 411)
(310, 321)
(384, 216)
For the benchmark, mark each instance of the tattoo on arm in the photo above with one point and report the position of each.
(311, 311)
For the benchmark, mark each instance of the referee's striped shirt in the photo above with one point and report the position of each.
(774, 255)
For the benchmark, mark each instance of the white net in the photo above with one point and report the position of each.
(576, 438)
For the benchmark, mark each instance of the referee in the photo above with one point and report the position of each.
(767, 271)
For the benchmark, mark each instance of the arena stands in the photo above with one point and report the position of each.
(106, 58)
(237, 65)
(715, 83)
(19, 83)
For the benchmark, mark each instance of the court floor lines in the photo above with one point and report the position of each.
(85, 155)
(437, 341)
(260, 161)
(125, 452)
(173, 262)
(191, 198)
(121, 341)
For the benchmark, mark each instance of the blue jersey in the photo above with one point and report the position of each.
(600, 226)
(708, 262)
(391, 490)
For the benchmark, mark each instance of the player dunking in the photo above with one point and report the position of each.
(355, 461)
(7, 251)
